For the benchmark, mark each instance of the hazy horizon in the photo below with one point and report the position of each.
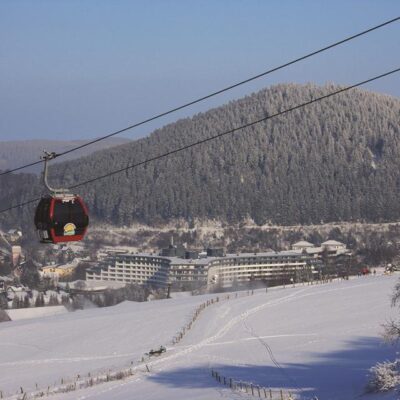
(78, 70)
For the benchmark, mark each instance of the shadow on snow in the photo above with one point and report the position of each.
(338, 375)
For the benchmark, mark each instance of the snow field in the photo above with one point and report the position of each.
(44, 350)
(314, 340)
(35, 312)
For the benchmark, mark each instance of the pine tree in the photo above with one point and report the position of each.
(15, 302)
(53, 300)
(27, 302)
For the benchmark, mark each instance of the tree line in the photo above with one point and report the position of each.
(336, 160)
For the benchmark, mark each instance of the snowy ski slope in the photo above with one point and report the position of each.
(313, 340)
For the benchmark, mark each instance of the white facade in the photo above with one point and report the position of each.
(261, 266)
(182, 270)
(132, 268)
(147, 269)
(333, 245)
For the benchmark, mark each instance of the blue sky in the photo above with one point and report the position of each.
(79, 69)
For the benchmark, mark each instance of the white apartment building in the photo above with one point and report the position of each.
(271, 266)
(149, 269)
(141, 269)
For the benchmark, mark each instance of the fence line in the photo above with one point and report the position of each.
(65, 386)
(251, 389)
(80, 382)
(180, 335)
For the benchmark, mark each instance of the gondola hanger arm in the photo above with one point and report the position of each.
(46, 158)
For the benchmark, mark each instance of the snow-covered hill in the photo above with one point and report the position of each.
(314, 340)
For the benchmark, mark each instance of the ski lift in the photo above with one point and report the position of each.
(60, 216)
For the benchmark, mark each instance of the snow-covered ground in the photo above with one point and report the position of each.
(314, 340)
(35, 312)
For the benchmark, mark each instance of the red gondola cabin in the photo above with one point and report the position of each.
(61, 219)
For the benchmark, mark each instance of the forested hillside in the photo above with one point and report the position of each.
(335, 160)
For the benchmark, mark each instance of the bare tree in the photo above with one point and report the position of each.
(392, 328)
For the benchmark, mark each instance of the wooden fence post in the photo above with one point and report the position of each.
(282, 395)
(252, 389)
(230, 383)
(270, 394)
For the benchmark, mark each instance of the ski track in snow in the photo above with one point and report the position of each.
(186, 349)
(181, 352)
(249, 339)
(225, 329)
(184, 352)
(243, 316)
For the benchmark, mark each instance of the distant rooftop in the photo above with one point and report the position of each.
(332, 243)
(73, 264)
(303, 243)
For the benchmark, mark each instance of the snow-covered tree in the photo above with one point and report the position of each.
(392, 328)
(384, 376)
(53, 300)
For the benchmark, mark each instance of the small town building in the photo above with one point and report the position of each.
(57, 271)
(302, 245)
(333, 246)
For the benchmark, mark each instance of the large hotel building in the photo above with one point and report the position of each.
(303, 263)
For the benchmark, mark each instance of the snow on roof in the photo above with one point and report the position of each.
(17, 288)
(206, 261)
(14, 232)
(201, 262)
(303, 243)
(267, 254)
(73, 264)
(184, 261)
(332, 243)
